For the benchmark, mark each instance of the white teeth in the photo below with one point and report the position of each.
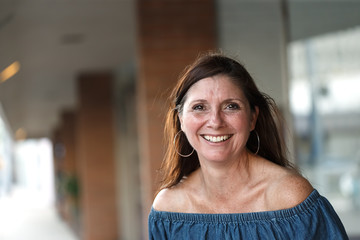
(217, 139)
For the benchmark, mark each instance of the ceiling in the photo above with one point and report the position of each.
(56, 40)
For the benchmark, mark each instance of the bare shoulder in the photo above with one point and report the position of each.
(169, 199)
(287, 190)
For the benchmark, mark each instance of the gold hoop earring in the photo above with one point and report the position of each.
(182, 155)
(258, 139)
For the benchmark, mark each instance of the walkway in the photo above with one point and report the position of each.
(24, 216)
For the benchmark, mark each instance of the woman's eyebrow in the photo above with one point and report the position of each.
(197, 100)
(226, 100)
(234, 99)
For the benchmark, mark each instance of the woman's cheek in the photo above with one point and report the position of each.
(191, 126)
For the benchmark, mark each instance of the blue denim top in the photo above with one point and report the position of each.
(314, 218)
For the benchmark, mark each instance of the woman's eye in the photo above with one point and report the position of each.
(232, 106)
(198, 107)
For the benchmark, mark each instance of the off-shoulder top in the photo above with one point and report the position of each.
(314, 218)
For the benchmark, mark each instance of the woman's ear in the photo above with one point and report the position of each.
(254, 116)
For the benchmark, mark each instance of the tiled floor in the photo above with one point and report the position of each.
(24, 216)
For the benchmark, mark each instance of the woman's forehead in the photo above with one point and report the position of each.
(216, 86)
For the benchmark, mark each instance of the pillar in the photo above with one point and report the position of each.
(95, 153)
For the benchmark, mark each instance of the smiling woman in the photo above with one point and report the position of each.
(221, 183)
(219, 71)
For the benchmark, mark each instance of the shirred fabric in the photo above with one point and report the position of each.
(314, 218)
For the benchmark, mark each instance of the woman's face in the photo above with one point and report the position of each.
(217, 119)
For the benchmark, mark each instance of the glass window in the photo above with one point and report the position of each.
(325, 102)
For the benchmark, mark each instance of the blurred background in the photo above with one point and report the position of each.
(83, 92)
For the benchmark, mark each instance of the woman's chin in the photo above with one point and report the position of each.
(220, 156)
(215, 157)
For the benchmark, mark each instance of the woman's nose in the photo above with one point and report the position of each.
(216, 119)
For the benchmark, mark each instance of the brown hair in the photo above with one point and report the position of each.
(272, 147)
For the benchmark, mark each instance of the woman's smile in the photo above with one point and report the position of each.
(217, 139)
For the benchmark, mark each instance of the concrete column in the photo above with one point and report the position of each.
(170, 36)
(95, 152)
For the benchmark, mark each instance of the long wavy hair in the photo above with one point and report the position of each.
(272, 147)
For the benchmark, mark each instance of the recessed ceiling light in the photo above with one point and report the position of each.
(10, 71)
(20, 134)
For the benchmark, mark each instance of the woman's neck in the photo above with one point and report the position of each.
(219, 181)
